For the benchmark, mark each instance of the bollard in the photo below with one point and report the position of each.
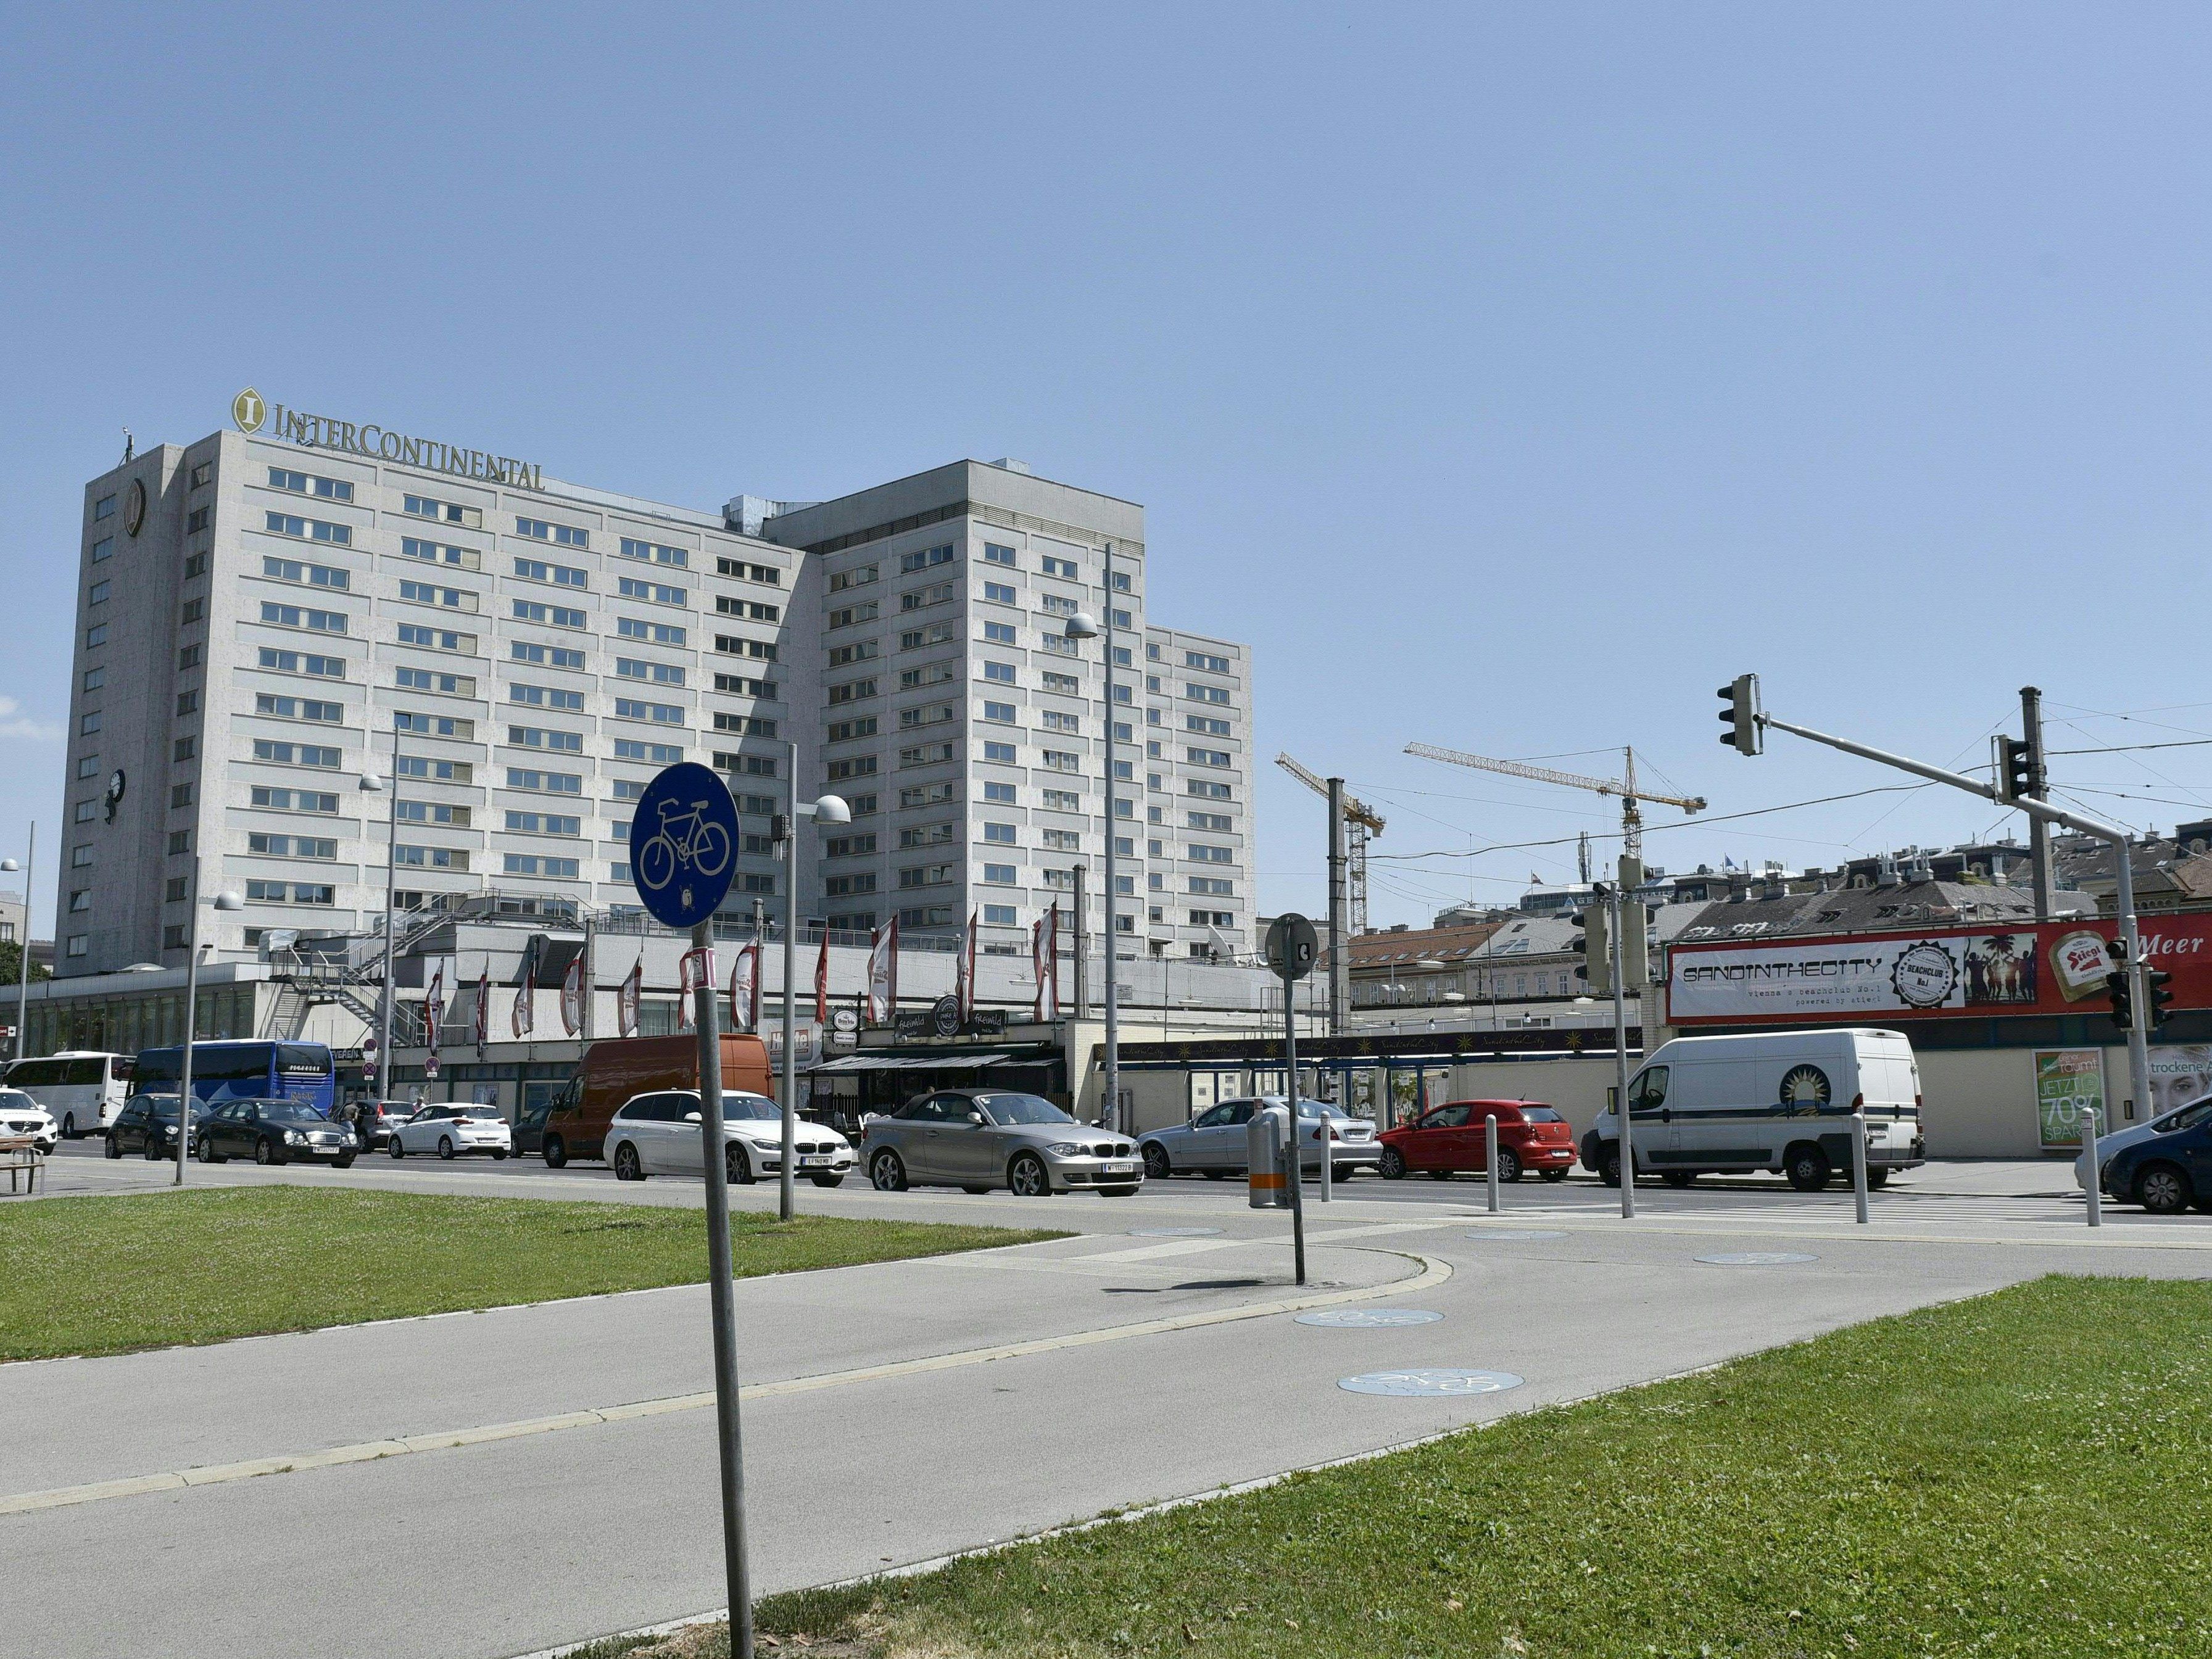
(2095, 1186)
(1490, 1156)
(1858, 1161)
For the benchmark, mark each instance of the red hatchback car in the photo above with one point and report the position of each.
(1446, 1141)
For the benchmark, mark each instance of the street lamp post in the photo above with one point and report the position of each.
(1081, 626)
(23, 944)
(222, 902)
(370, 783)
(830, 809)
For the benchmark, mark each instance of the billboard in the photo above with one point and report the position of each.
(2045, 968)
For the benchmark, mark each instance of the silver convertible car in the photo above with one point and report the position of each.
(1212, 1143)
(979, 1138)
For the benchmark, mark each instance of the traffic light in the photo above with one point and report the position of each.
(2155, 997)
(1595, 968)
(2119, 985)
(1635, 923)
(2012, 768)
(1740, 716)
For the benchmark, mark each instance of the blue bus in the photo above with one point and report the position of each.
(243, 1069)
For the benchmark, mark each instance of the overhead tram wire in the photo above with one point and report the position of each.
(1722, 817)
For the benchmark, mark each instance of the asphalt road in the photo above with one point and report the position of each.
(492, 1484)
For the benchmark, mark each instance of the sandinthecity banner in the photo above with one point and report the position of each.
(2046, 968)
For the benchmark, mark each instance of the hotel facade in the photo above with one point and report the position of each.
(271, 614)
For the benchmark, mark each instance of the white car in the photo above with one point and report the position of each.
(20, 1115)
(453, 1130)
(658, 1133)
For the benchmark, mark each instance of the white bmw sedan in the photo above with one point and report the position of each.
(658, 1133)
(452, 1130)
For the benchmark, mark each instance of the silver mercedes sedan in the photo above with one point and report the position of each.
(1212, 1143)
(980, 1138)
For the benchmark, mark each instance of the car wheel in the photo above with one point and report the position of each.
(1341, 1173)
(1509, 1164)
(264, 1151)
(1394, 1164)
(1608, 1164)
(975, 1191)
(887, 1171)
(445, 1147)
(114, 1146)
(152, 1152)
(1027, 1177)
(68, 1126)
(1807, 1168)
(1555, 1175)
(556, 1153)
(1440, 1175)
(828, 1179)
(1156, 1167)
(627, 1168)
(1877, 1178)
(2163, 1189)
(1678, 1177)
(342, 1160)
(737, 1165)
(1215, 1174)
(498, 1155)
(398, 1149)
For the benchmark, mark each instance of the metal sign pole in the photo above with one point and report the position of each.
(716, 1152)
(2093, 1186)
(1295, 1173)
(1490, 1156)
(1620, 1061)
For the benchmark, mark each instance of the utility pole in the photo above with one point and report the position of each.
(2039, 833)
(1621, 1056)
(1340, 969)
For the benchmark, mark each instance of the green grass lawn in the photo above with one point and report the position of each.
(103, 1275)
(2026, 1473)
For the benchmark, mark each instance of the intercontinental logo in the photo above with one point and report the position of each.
(250, 413)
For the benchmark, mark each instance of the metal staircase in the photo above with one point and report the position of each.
(347, 969)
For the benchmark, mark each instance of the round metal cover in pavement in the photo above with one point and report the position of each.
(1174, 1232)
(1756, 1258)
(1368, 1319)
(1430, 1382)
(1510, 1235)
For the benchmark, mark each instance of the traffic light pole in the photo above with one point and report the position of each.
(2043, 812)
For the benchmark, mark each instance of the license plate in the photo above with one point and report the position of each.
(813, 1161)
(1121, 1168)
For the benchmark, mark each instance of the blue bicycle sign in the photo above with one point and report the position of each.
(681, 842)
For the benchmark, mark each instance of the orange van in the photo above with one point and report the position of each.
(613, 1070)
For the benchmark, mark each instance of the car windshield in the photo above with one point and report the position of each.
(1321, 1108)
(14, 1100)
(2187, 1118)
(289, 1111)
(478, 1111)
(1540, 1115)
(758, 1109)
(1021, 1108)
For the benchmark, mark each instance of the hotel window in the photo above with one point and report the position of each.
(1205, 791)
(296, 892)
(95, 635)
(428, 679)
(295, 800)
(999, 632)
(859, 576)
(292, 616)
(104, 508)
(636, 587)
(103, 550)
(529, 610)
(544, 823)
(1068, 684)
(295, 754)
(860, 651)
(859, 766)
(926, 559)
(193, 610)
(438, 639)
(286, 523)
(745, 726)
(935, 714)
(654, 553)
(922, 598)
(1212, 887)
(426, 506)
(661, 673)
(1205, 725)
(999, 593)
(752, 609)
(1206, 757)
(1002, 713)
(1055, 721)
(846, 615)
(434, 726)
(1058, 606)
(551, 783)
(464, 558)
(561, 575)
(1121, 581)
(1212, 664)
(195, 566)
(547, 696)
(1003, 752)
(302, 662)
(202, 473)
(1063, 800)
(846, 731)
(531, 864)
(86, 811)
(315, 575)
(995, 554)
(547, 656)
(637, 627)
(99, 593)
(999, 915)
(1003, 792)
(660, 754)
(302, 483)
(660, 713)
(1204, 855)
(94, 679)
(560, 535)
(533, 737)
(292, 847)
(1004, 833)
(852, 690)
(926, 754)
(1067, 568)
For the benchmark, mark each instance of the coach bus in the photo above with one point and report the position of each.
(244, 1069)
(80, 1091)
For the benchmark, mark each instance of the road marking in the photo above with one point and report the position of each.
(1433, 1273)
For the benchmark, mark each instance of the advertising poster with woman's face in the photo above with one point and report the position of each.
(2179, 1073)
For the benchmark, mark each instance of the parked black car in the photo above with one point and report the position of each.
(148, 1124)
(530, 1129)
(272, 1132)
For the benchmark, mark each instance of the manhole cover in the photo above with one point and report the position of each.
(1368, 1319)
(1510, 1235)
(1174, 1232)
(1430, 1382)
(1756, 1258)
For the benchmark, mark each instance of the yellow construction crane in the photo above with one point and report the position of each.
(1632, 821)
(1361, 821)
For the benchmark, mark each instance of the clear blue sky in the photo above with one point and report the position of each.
(1510, 377)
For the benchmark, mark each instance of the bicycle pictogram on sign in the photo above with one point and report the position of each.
(682, 840)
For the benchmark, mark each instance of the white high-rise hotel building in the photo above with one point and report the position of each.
(263, 615)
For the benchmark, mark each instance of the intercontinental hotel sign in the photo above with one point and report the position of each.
(251, 414)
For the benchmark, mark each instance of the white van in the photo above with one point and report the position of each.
(1780, 1101)
(82, 1090)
